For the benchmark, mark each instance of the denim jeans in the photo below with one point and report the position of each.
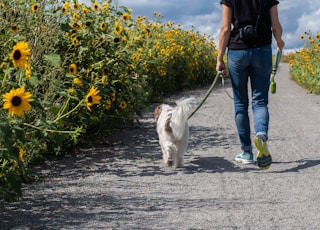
(250, 65)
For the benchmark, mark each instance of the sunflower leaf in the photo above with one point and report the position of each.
(53, 59)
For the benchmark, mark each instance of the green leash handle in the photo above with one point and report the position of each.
(273, 85)
(207, 94)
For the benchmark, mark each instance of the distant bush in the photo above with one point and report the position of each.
(305, 63)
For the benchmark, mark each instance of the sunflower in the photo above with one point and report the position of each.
(163, 51)
(35, 7)
(21, 153)
(21, 158)
(66, 7)
(17, 101)
(73, 36)
(135, 57)
(113, 96)
(158, 45)
(126, 16)
(73, 69)
(147, 32)
(64, 10)
(96, 6)
(77, 82)
(72, 91)
(85, 10)
(105, 6)
(76, 26)
(28, 71)
(104, 80)
(138, 19)
(4, 65)
(76, 16)
(108, 105)
(76, 6)
(92, 97)
(14, 28)
(118, 28)
(103, 26)
(20, 54)
(123, 105)
(75, 42)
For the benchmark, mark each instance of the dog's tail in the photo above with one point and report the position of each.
(179, 117)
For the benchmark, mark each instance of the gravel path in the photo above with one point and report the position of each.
(125, 185)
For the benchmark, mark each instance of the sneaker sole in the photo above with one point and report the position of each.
(264, 159)
(245, 162)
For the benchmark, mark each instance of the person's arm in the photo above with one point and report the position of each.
(276, 27)
(225, 31)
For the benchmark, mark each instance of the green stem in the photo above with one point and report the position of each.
(71, 111)
(48, 130)
(63, 107)
(4, 79)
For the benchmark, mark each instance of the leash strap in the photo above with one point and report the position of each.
(207, 94)
(229, 95)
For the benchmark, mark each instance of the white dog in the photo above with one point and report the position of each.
(173, 130)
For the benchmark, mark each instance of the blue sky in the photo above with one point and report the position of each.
(296, 16)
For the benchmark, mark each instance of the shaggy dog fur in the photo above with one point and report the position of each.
(173, 130)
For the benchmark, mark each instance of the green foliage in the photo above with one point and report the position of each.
(70, 72)
(305, 67)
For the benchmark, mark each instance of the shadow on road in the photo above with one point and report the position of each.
(299, 165)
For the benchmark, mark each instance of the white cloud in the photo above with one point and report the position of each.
(309, 22)
(296, 18)
(205, 16)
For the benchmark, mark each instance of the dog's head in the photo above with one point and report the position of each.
(157, 112)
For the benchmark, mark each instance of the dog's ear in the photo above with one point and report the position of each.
(157, 112)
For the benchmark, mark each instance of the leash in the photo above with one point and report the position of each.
(273, 85)
(226, 89)
(206, 95)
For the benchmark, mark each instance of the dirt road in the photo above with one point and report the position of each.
(125, 185)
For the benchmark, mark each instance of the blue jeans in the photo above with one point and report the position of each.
(254, 64)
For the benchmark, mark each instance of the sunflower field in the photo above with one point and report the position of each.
(305, 63)
(72, 72)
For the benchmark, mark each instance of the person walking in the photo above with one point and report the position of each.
(246, 33)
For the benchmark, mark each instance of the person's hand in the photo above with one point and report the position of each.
(280, 44)
(221, 67)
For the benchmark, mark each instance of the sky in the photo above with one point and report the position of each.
(204, 16)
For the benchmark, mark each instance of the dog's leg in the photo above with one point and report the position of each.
(178, 163)
(179, 157)
(170, 150)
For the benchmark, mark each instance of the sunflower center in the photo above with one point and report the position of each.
(17, 55)
(16, 101)
(90, 99)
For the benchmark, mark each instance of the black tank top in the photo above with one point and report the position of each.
(245, 12)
